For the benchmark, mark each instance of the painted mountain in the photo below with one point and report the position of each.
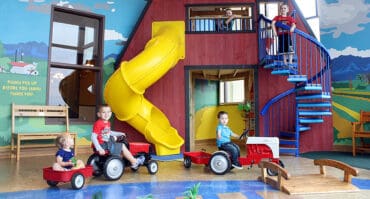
(32, 49)
(346, 68)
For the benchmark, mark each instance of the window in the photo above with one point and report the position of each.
(75, 62)
(208, 18)
(269, 9)
(308, 8)
(232, 91)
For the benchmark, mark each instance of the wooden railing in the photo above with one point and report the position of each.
(210, 24)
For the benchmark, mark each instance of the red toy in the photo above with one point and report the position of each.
(113, 166)
(76, 176)
(258, 148)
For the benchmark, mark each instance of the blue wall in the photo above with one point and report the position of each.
(24, 39)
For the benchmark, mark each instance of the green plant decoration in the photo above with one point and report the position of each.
(244, 107)
(192, 192)
(149, 196)
(74, 161)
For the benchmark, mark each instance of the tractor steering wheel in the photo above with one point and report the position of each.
(244, 134)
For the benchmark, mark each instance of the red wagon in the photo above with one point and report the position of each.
(197, 157)
(76, 176)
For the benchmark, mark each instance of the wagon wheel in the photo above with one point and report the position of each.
(187, 162)
(78, 181)
(52, 183)
(152, 167)
(94, 161)
(220, 163)
(273, 173)
(113, 168)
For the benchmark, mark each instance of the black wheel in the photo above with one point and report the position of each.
(187, 162)
(273, 173)
(152, 167)
(78, 181)
(113, 168)
(94, 161)
(220, 163)
(52, 183)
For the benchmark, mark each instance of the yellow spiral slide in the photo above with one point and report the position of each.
(124, 91)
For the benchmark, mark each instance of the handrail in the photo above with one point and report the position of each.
(275, 99)
(303, 34)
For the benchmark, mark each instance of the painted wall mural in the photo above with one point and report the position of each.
(345, 29)
(24, 42)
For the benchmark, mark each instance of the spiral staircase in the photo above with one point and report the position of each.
(309, 99)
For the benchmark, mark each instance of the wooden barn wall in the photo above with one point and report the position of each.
(168, 94)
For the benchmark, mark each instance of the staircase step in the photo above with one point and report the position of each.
(284, 72)
(297, 78)
(313, 96)
(311, 120)
(290, 134)
(287, 141)
(286, 150)
(314, 112)
(303, 128)
(310, 87)
(269, 65)
(313, 104)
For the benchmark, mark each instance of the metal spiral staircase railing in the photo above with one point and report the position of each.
(292, 112)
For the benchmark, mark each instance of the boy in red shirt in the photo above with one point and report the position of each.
(103, 138)
(284, 36)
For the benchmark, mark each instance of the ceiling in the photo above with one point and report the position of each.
(221, 74)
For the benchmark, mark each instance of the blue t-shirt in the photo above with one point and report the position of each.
(66, 155)
(225, 134)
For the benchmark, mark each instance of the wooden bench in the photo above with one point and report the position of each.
(309, 183)
(36, 111)
(358, 131)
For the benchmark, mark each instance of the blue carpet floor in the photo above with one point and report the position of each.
(162, 190)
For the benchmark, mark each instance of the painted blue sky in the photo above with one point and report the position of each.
(345, 27)
(20, 10)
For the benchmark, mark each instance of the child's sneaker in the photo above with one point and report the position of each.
(139, 161)
(237, 166)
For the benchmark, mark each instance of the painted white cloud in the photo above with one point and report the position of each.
(36, 1)
(349, 51)
(343, 16)
(113, 35)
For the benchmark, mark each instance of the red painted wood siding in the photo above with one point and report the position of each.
(168, 94)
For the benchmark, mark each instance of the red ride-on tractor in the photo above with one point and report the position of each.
(113, 166)
(257, 149)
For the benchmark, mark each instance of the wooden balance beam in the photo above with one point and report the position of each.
(309, 183)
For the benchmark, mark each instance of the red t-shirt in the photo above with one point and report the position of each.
(288, 20)
(102, 130)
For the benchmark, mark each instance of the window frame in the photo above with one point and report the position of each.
(222, 94)
(98, 60)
